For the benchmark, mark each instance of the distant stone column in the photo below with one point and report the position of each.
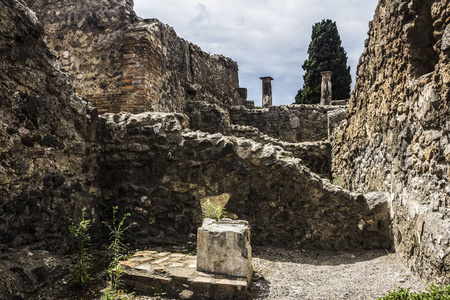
(266, 91)
(326, 88)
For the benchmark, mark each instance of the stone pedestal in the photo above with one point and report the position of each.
(224, 248)
(266, 91)
(326, 88)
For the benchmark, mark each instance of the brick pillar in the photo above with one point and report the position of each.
(141, 72)
(266, 91)
(326, 88)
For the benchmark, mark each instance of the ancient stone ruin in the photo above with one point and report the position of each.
(224, 248)
(99, 107)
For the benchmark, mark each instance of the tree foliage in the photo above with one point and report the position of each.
(325, 53)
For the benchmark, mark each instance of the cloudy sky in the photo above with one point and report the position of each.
(265, 37)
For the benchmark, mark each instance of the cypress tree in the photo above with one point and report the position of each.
(325, 53)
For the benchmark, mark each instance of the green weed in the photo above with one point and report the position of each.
(212, 211)
(433, 292)
(158, 292)
(117, 248)
(338, 180)
(81, 239)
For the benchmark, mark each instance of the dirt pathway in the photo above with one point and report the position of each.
(285, 274)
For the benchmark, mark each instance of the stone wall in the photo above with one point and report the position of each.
(212, 118)
(291, 123)
(396, 136)
(44, 132)
(46, 159)
(314, 155)
(120, 62)
(155, 167)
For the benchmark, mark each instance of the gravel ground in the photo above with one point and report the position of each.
(301, 274)
(297, 274)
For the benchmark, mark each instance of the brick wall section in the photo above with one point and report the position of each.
(141, 73)
(87, 38)
(105, 102)
(119, 61)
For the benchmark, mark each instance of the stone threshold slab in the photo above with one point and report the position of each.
(176, 275)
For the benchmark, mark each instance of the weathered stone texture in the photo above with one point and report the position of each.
(43, 130)
(314, 155)
(396, 136)
(46, 158)
(87, 37)
(223, 247)
(153, 165)
(292, 123)
(57, 157)
(121, 62)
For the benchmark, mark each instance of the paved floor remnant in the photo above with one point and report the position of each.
(176, 274)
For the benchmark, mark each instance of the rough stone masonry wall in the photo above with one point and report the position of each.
(57, 158)
(154, 166)
(396, 137)
(46, 162)
(291, 123)
(87, 37)
(315, 155)
(120, 62)
(45, 159)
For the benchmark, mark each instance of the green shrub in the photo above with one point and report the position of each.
(212, 211)
(81, 240)
(338, 180)
(158, 292)
(433, 292)
(117, 248)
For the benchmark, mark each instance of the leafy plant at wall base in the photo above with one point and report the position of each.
(116, 232)
(81, 239)
(338, 181)
(433, 292)
(212, 211)
(220, 213)
(158, 292)
(114, 295)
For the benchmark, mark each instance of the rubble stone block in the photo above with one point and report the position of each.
(224, 248)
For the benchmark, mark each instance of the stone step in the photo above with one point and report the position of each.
(176, 274)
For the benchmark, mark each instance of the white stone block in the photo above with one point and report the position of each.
(224, 248)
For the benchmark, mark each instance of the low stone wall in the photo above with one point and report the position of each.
(212, 118)
(156, 168)
(314, 155)
(291, 123)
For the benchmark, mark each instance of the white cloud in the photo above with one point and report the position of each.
(265, 37)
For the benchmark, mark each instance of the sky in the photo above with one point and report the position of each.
(265, 37)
